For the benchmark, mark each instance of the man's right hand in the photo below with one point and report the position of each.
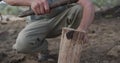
(40, 7)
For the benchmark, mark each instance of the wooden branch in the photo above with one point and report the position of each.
(70, 49)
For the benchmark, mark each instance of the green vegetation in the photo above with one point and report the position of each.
(9, 10)
(106, 3)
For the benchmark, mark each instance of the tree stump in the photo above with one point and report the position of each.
(70, 49)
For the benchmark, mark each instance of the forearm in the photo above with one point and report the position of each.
(88, 16)
(18, 2)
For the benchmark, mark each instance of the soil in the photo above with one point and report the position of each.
(103, 45)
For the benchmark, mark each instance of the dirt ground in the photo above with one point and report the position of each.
(103, 45)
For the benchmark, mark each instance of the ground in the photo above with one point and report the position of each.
(103, 45)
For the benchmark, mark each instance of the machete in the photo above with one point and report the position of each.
(52, 6)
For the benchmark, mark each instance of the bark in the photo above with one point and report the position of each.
(70, 49)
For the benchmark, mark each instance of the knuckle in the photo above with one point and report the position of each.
(42, 2)
(37, 4)
(34, 9)
(46, 9)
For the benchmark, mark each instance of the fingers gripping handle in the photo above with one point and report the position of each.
(53, 5)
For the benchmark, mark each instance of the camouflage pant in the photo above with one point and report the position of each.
(33, 37)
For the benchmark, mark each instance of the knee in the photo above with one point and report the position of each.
(29, 45)
(22, 44)
(19, 49)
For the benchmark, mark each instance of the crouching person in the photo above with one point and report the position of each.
(48, 23)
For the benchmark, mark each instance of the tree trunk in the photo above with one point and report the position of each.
(70, 49)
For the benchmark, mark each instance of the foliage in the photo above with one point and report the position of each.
(7, 9)
(106, 3)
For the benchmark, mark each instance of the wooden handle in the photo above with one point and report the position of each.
(53, 5)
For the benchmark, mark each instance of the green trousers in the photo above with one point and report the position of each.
(33, 37)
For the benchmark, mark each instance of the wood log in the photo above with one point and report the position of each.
(70, 49)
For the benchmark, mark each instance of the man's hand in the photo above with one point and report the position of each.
(40, 6)
(78, 35)
(82, 35)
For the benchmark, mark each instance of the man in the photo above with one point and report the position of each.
(32, 39)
